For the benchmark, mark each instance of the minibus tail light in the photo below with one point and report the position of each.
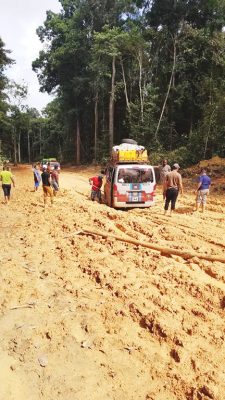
(115, 190)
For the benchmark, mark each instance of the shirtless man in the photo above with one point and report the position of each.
(172, 186)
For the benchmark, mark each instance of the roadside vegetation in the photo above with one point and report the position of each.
(152, 71)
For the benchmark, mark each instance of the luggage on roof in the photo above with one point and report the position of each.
(129, 152)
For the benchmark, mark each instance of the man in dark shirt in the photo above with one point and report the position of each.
(46, 184)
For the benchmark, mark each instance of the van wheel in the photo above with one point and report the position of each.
(129, 141)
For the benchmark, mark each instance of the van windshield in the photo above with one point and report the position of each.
(135, 175)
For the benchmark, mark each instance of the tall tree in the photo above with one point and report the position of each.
(65, 66)
(17, 95)
(152, 70)
(5, 61)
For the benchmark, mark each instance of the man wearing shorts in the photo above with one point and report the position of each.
(96, 182)
(204, 183)
(46, 184)
(37, 177)
(7, 178)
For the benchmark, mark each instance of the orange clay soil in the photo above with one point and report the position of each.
(88, 318)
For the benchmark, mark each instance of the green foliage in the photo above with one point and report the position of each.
(183, 156)
(169, 68)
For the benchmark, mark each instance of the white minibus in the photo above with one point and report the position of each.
(130, 185)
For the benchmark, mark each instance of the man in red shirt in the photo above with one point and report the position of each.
(96, 182)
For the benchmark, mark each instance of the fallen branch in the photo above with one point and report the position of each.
(28, 305)
(161, 249)
(72, 234)
(29, 269)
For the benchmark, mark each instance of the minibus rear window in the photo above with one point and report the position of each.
(135, 175)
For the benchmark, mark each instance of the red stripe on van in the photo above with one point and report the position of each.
(115, 193)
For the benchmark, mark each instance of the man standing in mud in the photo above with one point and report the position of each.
(164, 170)
(96, 182)
(46, 184)
(6, 177)
(204, 183)
(55, 180)
(172, 186)
(37, 177)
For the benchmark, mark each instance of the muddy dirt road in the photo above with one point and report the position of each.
(84, 318)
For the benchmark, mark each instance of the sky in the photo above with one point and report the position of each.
(19, 20)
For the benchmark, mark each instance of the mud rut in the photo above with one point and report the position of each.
(110, 320)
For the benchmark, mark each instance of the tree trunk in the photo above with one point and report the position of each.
(125, 87)
(28, 145)
(78, 143)
(111, 105)
(140, 85)
(191, 123)
(96, 127)
(14, 146)
(208, 133)
(168, 90)
(19, 148)
(40, 149)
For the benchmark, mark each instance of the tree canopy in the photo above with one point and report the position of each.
(149, 70)
(153, 71)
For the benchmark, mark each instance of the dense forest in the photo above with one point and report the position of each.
(153, 71)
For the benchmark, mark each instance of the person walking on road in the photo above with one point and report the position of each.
(7, 179)
(46, 184)
(49, 170)
(164, 169)
(172, 186)
(204, 183)
(96, 182)
(55, 180)
(37, 177)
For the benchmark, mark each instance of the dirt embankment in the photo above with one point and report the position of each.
(84, 318)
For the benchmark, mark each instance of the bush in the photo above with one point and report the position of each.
(180, 156)
(2, 159)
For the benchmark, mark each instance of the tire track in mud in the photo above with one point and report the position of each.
(190, 230)
(125, 228)
(160, 220)
(214, 271)
(152, 324)
(157, 329)
(162, 233)
(160, 331)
